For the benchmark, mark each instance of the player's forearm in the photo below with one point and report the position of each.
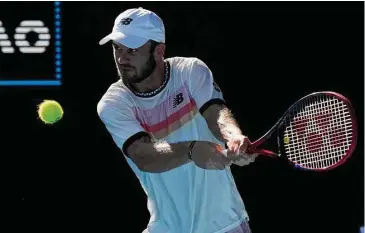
(221, 122)
(160, 156)
(227, 125)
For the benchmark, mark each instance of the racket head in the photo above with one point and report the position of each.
(318, 132)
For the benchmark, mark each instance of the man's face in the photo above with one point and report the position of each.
(134, 65)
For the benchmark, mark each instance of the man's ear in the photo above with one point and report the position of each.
(159, 52)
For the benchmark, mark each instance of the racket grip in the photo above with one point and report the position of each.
(253, 150)
(250, 149)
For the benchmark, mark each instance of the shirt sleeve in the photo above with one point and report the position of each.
(121, 123)
(202, 86)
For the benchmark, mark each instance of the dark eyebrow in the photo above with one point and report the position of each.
(119, 47)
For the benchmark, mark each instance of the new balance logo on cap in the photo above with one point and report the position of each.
(126, 21)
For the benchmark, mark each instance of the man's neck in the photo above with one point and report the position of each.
(153, 81)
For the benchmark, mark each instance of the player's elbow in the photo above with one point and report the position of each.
(142, 158)
(140, 165)
(147, 158)
(150, 168)
(145, 165)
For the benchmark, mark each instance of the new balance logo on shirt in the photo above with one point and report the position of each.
(178, 99)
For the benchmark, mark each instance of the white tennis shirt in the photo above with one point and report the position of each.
(187, 199)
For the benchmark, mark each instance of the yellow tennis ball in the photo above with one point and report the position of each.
(50, 111)
(286, 140)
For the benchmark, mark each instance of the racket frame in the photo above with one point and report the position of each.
(253, 147)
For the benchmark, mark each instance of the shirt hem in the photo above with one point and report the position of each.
(232, 226)
(224, 230)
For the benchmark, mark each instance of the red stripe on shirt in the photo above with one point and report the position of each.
(171, 119)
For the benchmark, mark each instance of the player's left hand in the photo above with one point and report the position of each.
(238, 145)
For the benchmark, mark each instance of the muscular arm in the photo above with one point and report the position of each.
(159, 156)
(155, 157)
(221, 122)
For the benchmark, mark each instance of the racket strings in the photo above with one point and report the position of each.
(318, 132)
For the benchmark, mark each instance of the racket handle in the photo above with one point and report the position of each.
(252, 150)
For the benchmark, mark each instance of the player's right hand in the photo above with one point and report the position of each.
(237, 146)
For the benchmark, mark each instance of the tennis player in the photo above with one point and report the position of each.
(170, 121)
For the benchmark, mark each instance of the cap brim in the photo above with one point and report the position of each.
(130, 41)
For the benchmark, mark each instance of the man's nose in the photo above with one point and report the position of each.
(123, 60)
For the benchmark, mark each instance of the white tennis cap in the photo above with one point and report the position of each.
(134, 27)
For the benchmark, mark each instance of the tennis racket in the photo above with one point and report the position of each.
(318, 132)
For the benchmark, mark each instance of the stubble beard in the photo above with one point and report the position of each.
(136, 77)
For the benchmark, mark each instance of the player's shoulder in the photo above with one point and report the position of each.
(116, 97)
(186, 63)
(188, 67)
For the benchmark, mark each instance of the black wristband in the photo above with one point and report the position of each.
(191, 149)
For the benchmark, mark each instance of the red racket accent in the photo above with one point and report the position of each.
(323, 120)
(300, 125)
(338, 137)
(314, 142)
(318, 132)
(252, 148)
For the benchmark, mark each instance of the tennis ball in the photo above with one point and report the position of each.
(50, 111)
(286, 140)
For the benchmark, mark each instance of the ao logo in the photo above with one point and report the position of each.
(21, 42)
